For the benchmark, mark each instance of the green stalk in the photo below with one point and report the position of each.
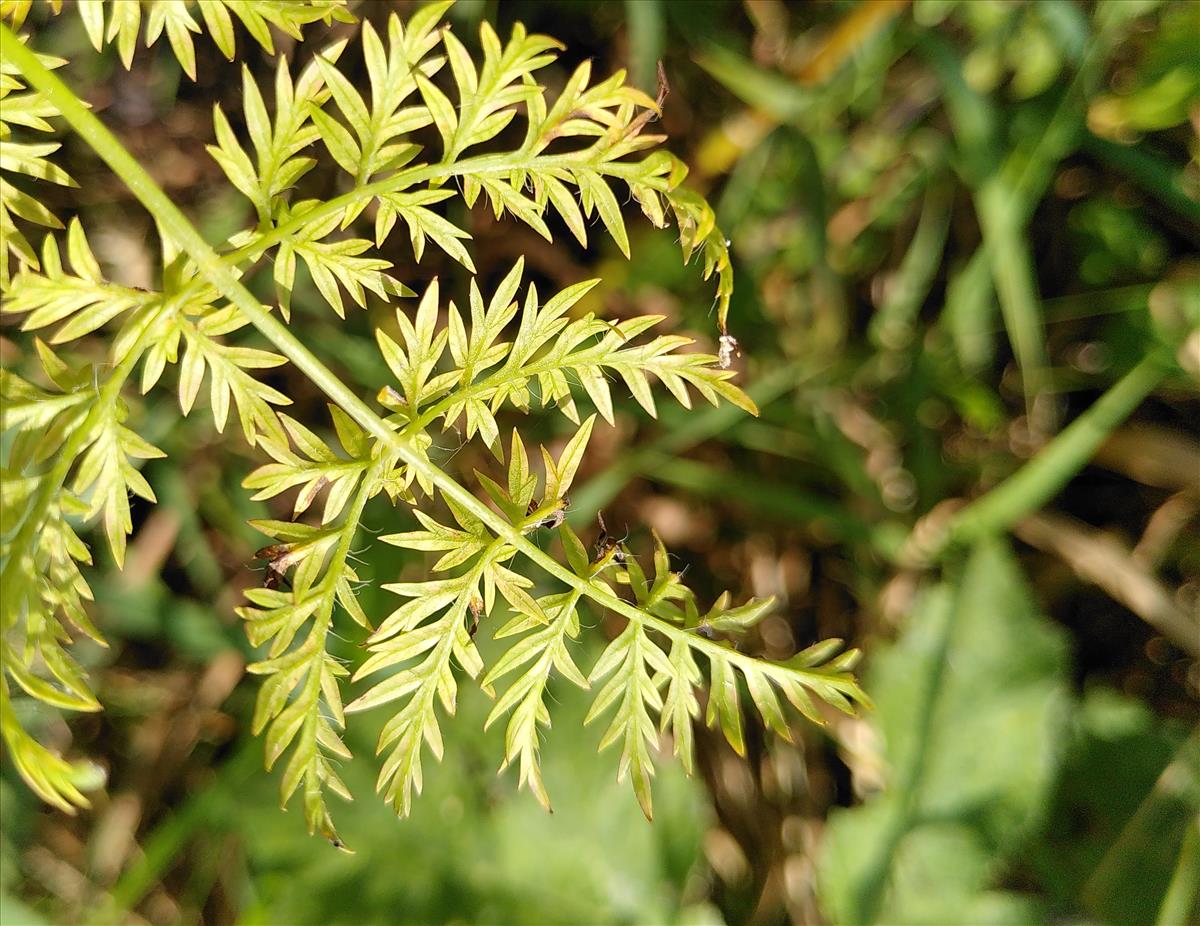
(1003, 230)
(893, 325)
(1044, 476)
(1180, 901)
(772, 501)
(1008, 192)
(176, 226)
(1148, 172)
(1001, 219)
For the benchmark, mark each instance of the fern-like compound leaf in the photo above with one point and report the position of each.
(228, 369)
(120, 21)
(542, 650)
(52, 778)
(277, 164)
(29, 160)
(44, 598)
(331, 264)
(107, 473)
(316, 468)
(631, 660)
(425, 652)
(83, 300)
(640, 669)
(300, 704)
(377, 139)
(528, 183)
(462, 602)
(548, 354)
(502, 142)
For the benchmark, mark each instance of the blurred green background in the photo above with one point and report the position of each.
(955, 225)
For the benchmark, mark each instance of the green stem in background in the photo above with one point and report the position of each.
(1165, 823)
(1052, 468)
(1180, 903)
(827, 519)
(645, 31)
(1149, 172)
(1026, 176)
(893, 325)
(1003, 226)
(1008, 192)
(1002, 215)
(176, 226)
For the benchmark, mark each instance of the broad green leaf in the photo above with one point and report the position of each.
(971, 700)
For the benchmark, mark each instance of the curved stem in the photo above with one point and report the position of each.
(1043, 477)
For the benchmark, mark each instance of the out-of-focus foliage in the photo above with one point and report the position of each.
(971, 699)
(969, 313)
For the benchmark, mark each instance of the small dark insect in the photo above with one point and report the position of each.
(556, 517)
(338, 844)
(607, 545)
(649, 115)
(276, 576)
(476, 607)
(602, 540)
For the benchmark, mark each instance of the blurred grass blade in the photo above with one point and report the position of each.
(1134, 879)
(1045, 475)
(1150, 173)
(1020, 304)
(970, 311)
(773, 94)
(1182, 903)
(893, 324)
(771, 501)
(646, 35)
(1002, 220)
